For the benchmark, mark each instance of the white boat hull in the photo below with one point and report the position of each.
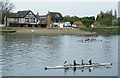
(79, 66)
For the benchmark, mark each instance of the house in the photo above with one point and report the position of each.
(42, 20)
(95, 24)
(78, 24)
(53, 18)
(22, 19)
(27, 18)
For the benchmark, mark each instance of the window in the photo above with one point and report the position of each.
(33, 20)
(26, 19)
(57, 15)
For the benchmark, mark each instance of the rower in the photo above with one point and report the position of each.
(66, 64)
(82, 62)
(74, 63)
(90, 62)
(87, 39)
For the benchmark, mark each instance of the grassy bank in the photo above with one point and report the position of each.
(105, 30)
(6, 30)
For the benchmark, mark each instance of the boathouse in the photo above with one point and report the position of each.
(41, 20)
(22, 19)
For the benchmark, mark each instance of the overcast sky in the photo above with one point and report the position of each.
(67, 7)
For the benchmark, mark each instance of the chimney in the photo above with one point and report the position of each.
(48, 12)
(37, 13)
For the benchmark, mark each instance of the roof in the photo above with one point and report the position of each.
(96, 22)
(41, 17)
(78, 22)
(12, 15)
(21, 14)
(56, 15)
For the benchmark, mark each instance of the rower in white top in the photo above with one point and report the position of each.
(66, 64)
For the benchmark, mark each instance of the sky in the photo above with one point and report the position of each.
(79, 8)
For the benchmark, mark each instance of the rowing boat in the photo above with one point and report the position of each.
(79, 66)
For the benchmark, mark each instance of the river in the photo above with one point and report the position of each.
(28, 55)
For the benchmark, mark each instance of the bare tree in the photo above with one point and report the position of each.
(6, 8)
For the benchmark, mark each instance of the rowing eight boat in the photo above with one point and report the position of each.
(78, 66)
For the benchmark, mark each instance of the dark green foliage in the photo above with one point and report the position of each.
(119, 21)
(4, 28)
(88, 21)
(71, 19)
(115, 14)
(85, 20)
(107, 18)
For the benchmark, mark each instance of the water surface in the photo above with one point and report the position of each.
(27, 55)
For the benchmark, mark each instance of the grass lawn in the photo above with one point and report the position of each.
(105, 30)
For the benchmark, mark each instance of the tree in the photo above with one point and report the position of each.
(6, 8)
(71, 19)
(119, 21)
(87, 21)
(106, 19)
(111, 13)
(115, 14)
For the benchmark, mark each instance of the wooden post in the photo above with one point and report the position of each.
(30, 19)
(24, 20)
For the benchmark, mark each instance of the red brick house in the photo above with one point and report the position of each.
(53, 17)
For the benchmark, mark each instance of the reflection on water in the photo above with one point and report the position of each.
(27, 55)
(0, 55)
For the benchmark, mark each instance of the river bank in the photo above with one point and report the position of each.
(7, 30)
(46, 31)
(64, 31)
(105, 30)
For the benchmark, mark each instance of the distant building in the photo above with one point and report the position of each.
(22, 19)
(119, 9)
(42, 20)
(95, 24)
(53, 18)
(79, 24)
(28, 19)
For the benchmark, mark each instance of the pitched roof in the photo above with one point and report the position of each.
(56, 15)
(21, 14)
(96, 22)
(78, 22)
